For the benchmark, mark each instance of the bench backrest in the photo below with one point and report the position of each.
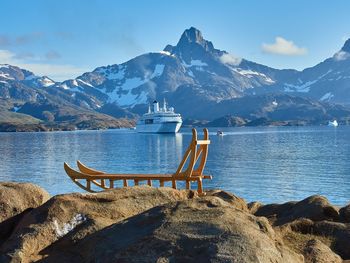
(193, 154)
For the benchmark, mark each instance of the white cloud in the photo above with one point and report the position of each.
(57, 72)
(230, 59)
(283, 47)
(6, 56)
(341, 55)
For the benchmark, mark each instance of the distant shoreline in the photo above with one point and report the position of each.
(8, 127)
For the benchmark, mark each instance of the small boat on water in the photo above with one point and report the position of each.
(220, 133)
(333, 123)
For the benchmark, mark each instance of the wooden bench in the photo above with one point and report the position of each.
(196, 154)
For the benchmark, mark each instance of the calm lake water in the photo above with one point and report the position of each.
(269, 164)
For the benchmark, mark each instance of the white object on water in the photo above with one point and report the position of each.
(333, 123)
(161, 120)
(220, 133)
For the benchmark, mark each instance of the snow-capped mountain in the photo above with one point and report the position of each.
(328, 81)
(192, 66)
(9, 74)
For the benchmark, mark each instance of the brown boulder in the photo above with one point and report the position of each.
(254, 206)
(344, 214)
(337, 234)
(80, 215)
(207, 229)
(16, 199)
(316, 208)
(230, 198)
(317, 252)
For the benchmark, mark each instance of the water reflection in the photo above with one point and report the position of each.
(266, 164)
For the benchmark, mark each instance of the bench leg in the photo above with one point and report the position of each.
(188, 185)
(149, 182)
(88, 184)
(111, 184)
(200, 186)
(174, 184)
(136, 182)
(125, 183)
(161, 183)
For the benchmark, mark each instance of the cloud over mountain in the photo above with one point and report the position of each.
(41, 66)
(281, 46)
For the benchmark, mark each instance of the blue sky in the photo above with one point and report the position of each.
(65, 38)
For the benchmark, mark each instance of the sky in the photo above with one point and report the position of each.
(65, 38)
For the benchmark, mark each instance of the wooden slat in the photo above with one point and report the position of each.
(202, 142)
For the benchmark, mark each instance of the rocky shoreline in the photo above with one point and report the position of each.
(145, 224)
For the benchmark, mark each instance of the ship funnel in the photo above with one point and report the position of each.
(164, 105)
(155, 106)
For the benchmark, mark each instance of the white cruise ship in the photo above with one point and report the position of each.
(160, 120)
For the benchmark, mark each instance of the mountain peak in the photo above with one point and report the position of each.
(192, 45)
(192, 35)
(346, 47)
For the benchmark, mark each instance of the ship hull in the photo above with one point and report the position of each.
(165, 127)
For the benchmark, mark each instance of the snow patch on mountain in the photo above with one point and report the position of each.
(15, 109)
(5, 66)
(194, 63)
(123, 94)
(167, 53)
(46, 82)
(117, 75)
(158, 71)
(304, 88)
(84, 83)
(6, 76)
(64, 86)
(112, 73)
(327, 96)
(250, 74)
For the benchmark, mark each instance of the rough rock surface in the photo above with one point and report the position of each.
(200, 230)
(145, 224)
(119, 226)
(337, 233)
(344, 213)
(17, 199)
(315, 207)
(317, 252)
(83, 213)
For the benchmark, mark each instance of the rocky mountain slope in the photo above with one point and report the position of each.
(27, 100)
(193, 72)
(328, 81)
